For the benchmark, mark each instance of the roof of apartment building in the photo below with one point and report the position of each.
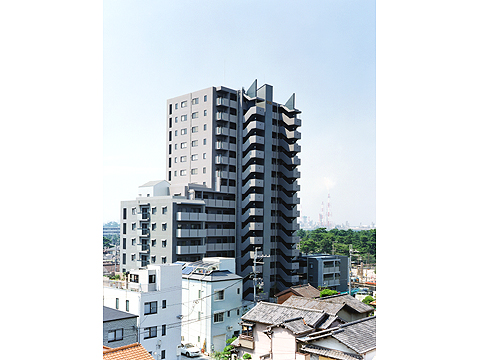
(110, 314)
(359, 335)
(127, 352)
(307, 291)
(215, 275)
(298, 320)
(330, 304)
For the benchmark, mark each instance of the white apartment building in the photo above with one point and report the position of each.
(212, 303)
(155, 295)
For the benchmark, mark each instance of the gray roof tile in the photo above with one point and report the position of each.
(330, 353)
(359, 335)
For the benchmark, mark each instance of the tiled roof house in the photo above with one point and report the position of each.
(127, 352)
(307, 291)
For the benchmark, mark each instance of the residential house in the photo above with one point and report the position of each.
(119, 327)
(342, 305)
(128, 352)
(212, 303)
(307, 291)
(351, 341)
(325, 270)
(273, 329)
(155, 295)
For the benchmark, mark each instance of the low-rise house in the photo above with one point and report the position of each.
(342, 305)
(273, 329)
(155, 295)
(128, 352)
(212, 303)
(307, 291)
(351, 341)
(119, 327)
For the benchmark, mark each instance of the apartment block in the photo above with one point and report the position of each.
(238, 151)
(326, 271)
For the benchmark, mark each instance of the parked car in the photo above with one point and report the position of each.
(189, 350)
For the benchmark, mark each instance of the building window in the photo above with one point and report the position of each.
(176, 119)
(194, 157)
(183, 131)
(175, 173)
(176, 134)
(183, 172)
(163, 354)
(204, 155)
(194, 143)
(134, 242)
(183, 104)
(194, 171)
(134, 211)
(124, 242)
(115, 335)
(204, 112)
(199, 294)
(204, 141)
(205, 98)
(205, 126)
(150, 332)
(164, 330)
(195, 101)
(195, 115)
(154, 211)
(124, 213)
(228, 313)
(218, 317)
(154, 242)
(127, 305)
(164, 243)
(164, 304)
(124, 228)
(194, 129)
(150, 308)
(164, 259)
(164, 226)
(154, 227)
(183, 158)
(134, 226)
(176, 106)
(164, 210)
(199, 315)
(133, 257)
(204, 170)
(134, 278)
(238, 311)
(151, 279)
(124, 259)
(183, 145)
(154, 259)
(183, 118)
(175, 160)
(219, 295)
(117, 303)
(238, 290)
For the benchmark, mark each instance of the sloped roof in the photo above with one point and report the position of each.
(359, 335)
(110, 314)
(330, 353)
(269, 313)
(330, 304)
(307, 291)
(297, 326)
(127, 352)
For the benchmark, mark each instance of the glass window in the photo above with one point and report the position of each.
(218, 317)
(150, 308)
(183, 145)
(205, 98)
(195, 101)
(218, 295)
(183, 118)
(194, 171)
(115, 335)
(194, 143)
(183, 131)
(195, 115)
(194, 129)
(194, 157)
(183, 172)
(184, 104)
(204, 112)
(150, 332)
(183, 158)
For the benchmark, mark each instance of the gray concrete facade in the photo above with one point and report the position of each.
(326, 271)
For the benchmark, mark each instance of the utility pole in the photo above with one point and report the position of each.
(255, 272)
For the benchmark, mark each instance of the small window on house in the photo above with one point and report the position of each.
(117, 303)
(124, 242)
(124, 213)
(154, 211)
(127, 305)
(176, 119)
(133, 257)
(164, 304)
(204, 155)
(154, 259)
(204, 141)
(204, 112)
(218, 317)
(134, 242)
(115, 335)
(124, 259)
(151, 279)
(164, 210)
(183, 158)
(218, 295)
(154, 242)
(176, 106)
(164, 329)
(150, 308)
(204, 170)
(134, 226)
(199, 294)
(204, 127)
(150, 332)
(194, 129)
(134, 211)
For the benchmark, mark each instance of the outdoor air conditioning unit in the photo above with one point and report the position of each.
(229, 328)
(159, 343)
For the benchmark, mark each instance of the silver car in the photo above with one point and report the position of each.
(189, 350)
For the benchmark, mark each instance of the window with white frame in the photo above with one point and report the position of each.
(204, 141)
(195, 101)
(204, 127)
(204, 112)
(204, 170)
(194, 171)
(194, 129)
(218, 317)
(194, 143)
(164, 243)
(115, 335)
(205, 98)
(219, 295)
(183, 158)
(134, 242)
(194, 157)
(183, 131)
(195, 115)
(176, 106)
(164, 210)
(183, 145)
(150, 308)
(164, 226)
(204, 155)
(164, 259)
(183, 172)
(183, 104)
(133, 257)
(154, 210)
(183, 118)
(176, 132)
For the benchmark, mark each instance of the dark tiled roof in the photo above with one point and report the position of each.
(297, 326)
(330, 304)
(330, 353)
(307, 291)
(271, 314)
(110, 314)
(359, 335)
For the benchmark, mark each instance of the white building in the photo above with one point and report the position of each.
(212, 303)
(155, 295)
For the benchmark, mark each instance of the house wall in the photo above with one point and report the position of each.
(283, 344)
(129, 327)
(282, 298)
(349, 316)
(262, 343)
(203, 306)
(332, 343)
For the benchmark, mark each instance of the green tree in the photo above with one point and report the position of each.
(327, 292)
(247, 356)
(107, 242)
(368, 299)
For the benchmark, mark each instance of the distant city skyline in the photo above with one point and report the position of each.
(325, 54)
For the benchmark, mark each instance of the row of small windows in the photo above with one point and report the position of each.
(194, 171)
(184, 117)
(183, 104)
(144, 211)
(184, 130)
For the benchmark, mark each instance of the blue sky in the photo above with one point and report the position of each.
(322, 51)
